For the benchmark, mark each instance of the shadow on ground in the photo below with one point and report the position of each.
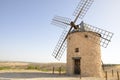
(30, 75)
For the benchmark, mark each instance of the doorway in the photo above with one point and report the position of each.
(77, 69)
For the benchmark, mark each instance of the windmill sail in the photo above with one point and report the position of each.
(82, 8)
(61, 45)
(105, 35)
(58, 51)
(63, 22)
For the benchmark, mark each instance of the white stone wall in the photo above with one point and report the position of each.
(89, 52)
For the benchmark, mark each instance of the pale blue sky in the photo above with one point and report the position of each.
(26, 33)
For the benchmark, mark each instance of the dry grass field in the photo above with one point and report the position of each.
(43, 71)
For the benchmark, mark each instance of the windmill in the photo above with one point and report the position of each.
(96, 36)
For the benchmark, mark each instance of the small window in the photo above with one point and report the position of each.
(86, 36)
(69, 38)
(76, 49)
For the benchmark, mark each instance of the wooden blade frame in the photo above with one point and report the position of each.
(105, 35)
(63, 22)
(61, 45)
(82, 8)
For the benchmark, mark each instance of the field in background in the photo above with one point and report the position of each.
(32, 66)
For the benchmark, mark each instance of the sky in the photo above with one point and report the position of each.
(26, 32)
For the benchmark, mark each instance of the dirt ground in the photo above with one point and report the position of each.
(35, 75)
